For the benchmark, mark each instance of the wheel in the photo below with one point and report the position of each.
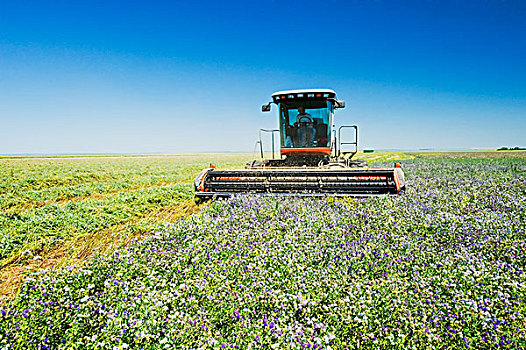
(305, 120)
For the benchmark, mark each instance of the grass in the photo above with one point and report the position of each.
(441, 266)
(65, 208)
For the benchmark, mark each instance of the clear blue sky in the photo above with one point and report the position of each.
(128, 76)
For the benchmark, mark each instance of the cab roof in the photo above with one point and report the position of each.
(303, 95)
(304, 91)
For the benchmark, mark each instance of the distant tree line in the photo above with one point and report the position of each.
(512, 149)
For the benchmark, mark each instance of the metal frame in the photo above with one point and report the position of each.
(272, 131)
(302, 181)
(355, 143)
(255, 149)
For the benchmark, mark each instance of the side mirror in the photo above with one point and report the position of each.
(339, 104)
(266, 108)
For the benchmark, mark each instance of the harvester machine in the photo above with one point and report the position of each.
(311, 162)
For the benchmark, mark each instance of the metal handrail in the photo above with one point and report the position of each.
(334, 147)
(272, 131)
(255, 148)
(355, 143)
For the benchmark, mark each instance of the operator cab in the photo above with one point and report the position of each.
(306, 121)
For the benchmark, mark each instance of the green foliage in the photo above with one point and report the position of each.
(46, 202)
(441, 266)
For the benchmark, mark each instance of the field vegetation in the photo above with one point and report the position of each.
(53, 210)
(442, 266)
